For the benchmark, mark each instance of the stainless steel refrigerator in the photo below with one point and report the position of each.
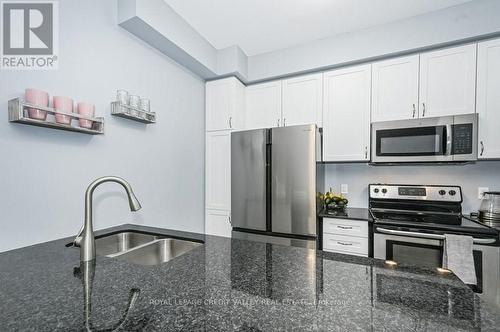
(275, 174)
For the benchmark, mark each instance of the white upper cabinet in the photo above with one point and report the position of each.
(225, 102)
(303, 100)
(218, 170)
(448, 81)
(263, 105)
(346, 114)
(395, 89)
(488, 99)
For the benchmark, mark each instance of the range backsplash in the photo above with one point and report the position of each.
(469, 177)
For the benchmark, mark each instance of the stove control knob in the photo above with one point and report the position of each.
(442, 192)
(452, 192)
(376, 190)
(384, 191)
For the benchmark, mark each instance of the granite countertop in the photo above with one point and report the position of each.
(231, 285)
(348, 213)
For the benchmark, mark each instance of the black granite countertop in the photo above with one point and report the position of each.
(232, 285)
(348, 213)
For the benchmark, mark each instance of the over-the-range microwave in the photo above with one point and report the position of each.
(440, 139)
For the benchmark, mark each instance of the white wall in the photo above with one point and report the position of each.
(469, 177)
(44, 172)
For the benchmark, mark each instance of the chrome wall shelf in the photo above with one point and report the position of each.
(132, 113)
(18, 113)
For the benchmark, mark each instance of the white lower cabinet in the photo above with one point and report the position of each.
(346, 114)
(345, 236)
(218, 222)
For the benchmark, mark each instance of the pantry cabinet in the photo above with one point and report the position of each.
(263, 105)
(448, 81)
(395, 89)
(218, 223)
(218, 170)
(346, 114)
(225, 104)
(303, 100)
(488, 99)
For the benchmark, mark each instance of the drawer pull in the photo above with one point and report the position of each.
(344, 243)
(345, 227)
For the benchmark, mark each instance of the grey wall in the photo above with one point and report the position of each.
(453, 24)
(44, 172)
(358, 176)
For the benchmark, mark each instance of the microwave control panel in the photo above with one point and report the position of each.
(462, 139)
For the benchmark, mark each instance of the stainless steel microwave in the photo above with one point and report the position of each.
(440, 139)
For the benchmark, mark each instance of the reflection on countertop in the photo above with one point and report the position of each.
(233, 285)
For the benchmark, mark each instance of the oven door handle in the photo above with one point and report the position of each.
(428, 236)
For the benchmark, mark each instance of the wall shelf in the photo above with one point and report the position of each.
(132, 113)
(18, 113)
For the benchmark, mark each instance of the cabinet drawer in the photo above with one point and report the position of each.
(345, 227)
(345, 244)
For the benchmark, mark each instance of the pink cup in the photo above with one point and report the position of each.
(39, 98)
(87, 110)
(63, 104)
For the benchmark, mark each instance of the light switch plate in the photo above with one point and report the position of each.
(344, 189)
(481, 191)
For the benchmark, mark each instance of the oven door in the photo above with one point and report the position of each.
(428, 253)
(420, 252)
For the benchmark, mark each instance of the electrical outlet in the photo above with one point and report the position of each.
(481, 191)
(344, 189)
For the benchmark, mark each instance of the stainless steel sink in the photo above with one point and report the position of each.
(142, 249)
(158, 252)
(121, 242)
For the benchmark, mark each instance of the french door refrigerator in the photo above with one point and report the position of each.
(274, 179)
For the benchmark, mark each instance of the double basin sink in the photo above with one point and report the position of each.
(141, 248)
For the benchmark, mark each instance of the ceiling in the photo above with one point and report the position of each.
(260, 26)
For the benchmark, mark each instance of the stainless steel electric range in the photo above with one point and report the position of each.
(410, 223)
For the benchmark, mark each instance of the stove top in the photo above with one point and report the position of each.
(436, 209)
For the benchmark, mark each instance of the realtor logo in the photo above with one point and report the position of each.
(29, 35)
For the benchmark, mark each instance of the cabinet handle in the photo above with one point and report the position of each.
(366, 152)
(284, 122)
(414, 110)
(278, 122)
(482, 148)
(231, 122)
(230, 220)
(344, 227)
(423, 109)
(344, 243)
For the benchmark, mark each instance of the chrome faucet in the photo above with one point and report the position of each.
(85, 238)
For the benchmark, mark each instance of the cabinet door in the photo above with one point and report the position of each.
(218, 223)
(346, 114)
(263, 105)
(303, 100)
(488, 99)
(218, 170)
(448, 81)
(395, 89)
(224, 104)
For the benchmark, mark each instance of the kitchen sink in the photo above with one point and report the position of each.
(158, 251)
(142, 249)
(121, 242)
